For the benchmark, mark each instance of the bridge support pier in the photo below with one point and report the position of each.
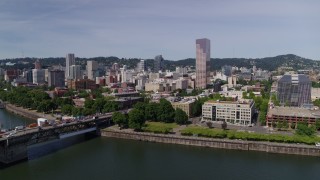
(13, 154)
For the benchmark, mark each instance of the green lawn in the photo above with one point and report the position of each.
(159, 127)
(231, 134)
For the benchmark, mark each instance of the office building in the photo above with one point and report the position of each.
(37, 64)
(74, 72)
(82, 84)
(92, 69)
(70, 60)
(38, 76)
(233, 112)
(202, 62)
(226, 70)
(115, 67)
(56, 78)
(294, 90)
(158, 64)
(141, 66)
(184, 105)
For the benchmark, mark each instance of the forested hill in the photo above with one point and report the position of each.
(268, 63)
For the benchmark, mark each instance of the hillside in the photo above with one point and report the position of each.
(268, 63)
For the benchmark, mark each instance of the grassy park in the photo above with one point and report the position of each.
(232, 134)
(159, 127)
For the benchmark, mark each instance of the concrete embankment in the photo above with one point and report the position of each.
(215, 143)
(22, 112)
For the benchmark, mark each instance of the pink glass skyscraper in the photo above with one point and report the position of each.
(202, 63)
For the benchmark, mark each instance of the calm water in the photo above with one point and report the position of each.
(105, 158)
(9, 120)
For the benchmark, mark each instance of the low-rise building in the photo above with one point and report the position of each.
(184, 105)
(233, 112)
(291, 115)
(81, 84)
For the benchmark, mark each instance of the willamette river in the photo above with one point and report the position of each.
(105, 158)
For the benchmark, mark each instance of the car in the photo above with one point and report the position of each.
(19, 128)
(318, 144)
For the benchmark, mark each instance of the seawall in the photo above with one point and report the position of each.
(22, 112)
(216, 143)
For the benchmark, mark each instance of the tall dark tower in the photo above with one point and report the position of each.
(158, 63)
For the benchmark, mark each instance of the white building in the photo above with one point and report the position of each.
(233, 112)
(92, 67)
(70, 60)
(181, 84)
(75, 72)
(141, 66)
(38, 76)
(181, 70)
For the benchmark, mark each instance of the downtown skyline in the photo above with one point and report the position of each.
(143, 29)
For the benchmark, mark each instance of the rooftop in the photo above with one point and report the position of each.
(247, 101)
(294, 111)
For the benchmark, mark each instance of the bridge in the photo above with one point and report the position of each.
(14, 148)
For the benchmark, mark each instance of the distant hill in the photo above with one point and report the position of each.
(268, 63)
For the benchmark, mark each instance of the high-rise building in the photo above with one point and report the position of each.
(38, 76)
(115, 67)
(56, 78)
(202, 62)
(37, 64)
(75, 72)
(141, 66)
(294, 90)
(226, 70)
(70, 60)
(92, 67)
(158, 63)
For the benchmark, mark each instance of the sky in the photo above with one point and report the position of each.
(146, 28)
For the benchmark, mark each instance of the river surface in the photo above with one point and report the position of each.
(10, 121)
(107, 158)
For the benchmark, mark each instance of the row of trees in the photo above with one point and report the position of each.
(38, 99)
(142, 111)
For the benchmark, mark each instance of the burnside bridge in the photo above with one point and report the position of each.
(14, 148)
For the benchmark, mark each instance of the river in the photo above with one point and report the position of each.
(106, 158)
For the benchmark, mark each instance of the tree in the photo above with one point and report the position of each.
(251, 95)
(110, 106)
(88, 111)
(98, 104)
(76, 111)
(224, 125)
(303, 129)
(317, 124)
(196, 108)
(67, 109)
(180, 116)
(151, 111)
(245, 95)
(140, 105)
(120, 119)
(136, 119)
(262, 117)
(257, 102)
(209, 124)
(165, 111)
(88, 103)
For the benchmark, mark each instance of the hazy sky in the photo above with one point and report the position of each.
(146, 28)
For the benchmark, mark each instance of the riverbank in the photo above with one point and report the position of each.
(31, 114)
(269, 147)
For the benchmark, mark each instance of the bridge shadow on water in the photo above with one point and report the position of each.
(43, 149)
